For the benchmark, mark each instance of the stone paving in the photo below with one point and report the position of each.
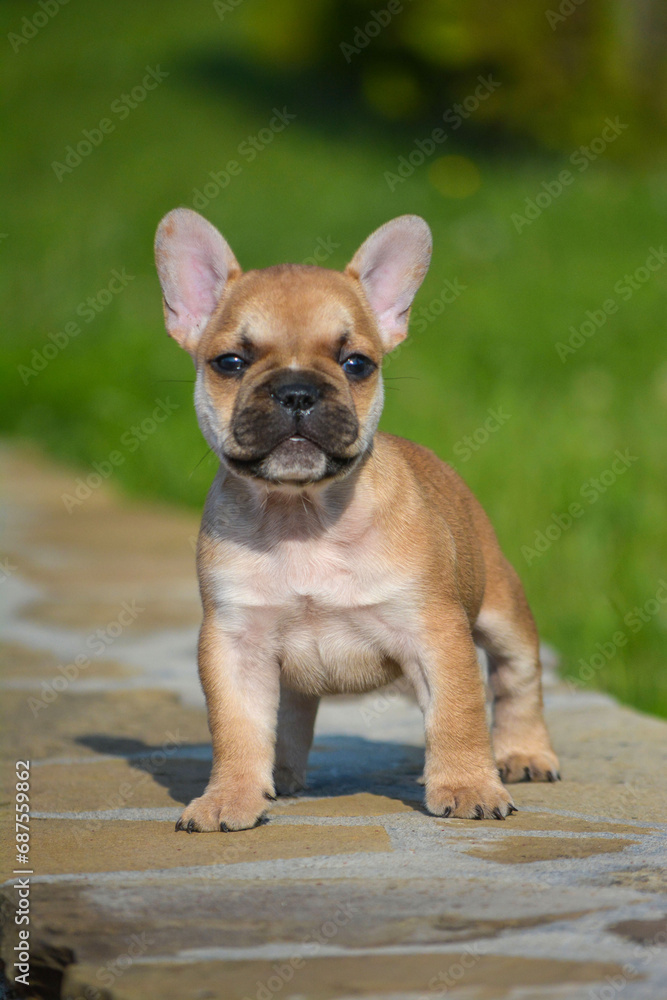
(349, 891)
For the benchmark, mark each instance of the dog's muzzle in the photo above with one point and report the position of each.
(294, 427)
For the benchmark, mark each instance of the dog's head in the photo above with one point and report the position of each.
(288, 358)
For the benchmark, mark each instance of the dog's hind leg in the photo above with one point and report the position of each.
(505, 628)
(296, 722)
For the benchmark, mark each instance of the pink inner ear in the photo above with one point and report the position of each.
(386, 292)
(193, 262)
(391, 265)
(201, 284)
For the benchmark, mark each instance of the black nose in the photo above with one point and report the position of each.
(297, 397)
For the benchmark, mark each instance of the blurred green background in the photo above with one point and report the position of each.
(523, 261)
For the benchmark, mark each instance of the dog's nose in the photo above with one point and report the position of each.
(297, 397)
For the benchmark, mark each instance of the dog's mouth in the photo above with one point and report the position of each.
(295, 460)
(297, 446)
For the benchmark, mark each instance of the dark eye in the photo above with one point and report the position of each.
(358, 365)
(229, 364)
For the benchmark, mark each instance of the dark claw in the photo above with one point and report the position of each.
(271, 798)
(179, 825)
(479, 812)
(551, 776)
(497, 813)
(224, 828)
(190, 828)
(261, 820)
(527, 776)
(448, 811)
(558, 777)
(512, 809)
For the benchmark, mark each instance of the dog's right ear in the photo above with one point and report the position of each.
(194, 263)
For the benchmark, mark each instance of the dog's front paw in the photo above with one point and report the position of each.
(537, 766)
(216, 811)
(483, 798)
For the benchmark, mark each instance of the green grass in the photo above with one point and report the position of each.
(491, 348)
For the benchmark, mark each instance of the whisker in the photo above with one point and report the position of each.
(205, 455)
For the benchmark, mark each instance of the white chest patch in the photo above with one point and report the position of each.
(338, 617)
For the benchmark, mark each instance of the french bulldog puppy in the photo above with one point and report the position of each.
(334, 558)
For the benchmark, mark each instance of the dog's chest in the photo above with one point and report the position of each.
(336, 615)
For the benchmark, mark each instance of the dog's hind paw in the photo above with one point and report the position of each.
(540, 766)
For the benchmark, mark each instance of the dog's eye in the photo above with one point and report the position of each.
(229, 364)
(358, 365)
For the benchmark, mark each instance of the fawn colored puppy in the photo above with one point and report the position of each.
(333, 558)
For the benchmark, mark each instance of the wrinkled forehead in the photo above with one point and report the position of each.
(292, 308)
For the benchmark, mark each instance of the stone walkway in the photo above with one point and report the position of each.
(351, 891)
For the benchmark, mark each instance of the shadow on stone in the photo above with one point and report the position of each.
(338, 765)
(344, 765)
(182, 770)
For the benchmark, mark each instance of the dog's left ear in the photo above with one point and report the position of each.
(391, 266)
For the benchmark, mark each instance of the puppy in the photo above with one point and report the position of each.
(333, 558)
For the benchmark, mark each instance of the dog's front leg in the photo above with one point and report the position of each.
(241, 681)
(460, 774)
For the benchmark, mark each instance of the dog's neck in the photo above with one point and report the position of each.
(298, 512)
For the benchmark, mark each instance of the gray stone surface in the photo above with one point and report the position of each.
(349, 890)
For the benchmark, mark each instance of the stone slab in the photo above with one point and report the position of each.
(558, 823)
(360, 804)
(89, 725)
(60, 847)
(485, 977)
(118, 784)
(251, 914)
(20, 663)
(513, 850)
